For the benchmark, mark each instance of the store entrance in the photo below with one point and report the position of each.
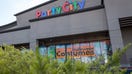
(83, 47)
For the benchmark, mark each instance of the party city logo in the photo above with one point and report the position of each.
(67, 6)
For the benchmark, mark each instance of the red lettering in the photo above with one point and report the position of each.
(64, 7)
(38, 13)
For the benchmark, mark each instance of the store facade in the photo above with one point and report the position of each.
(78, 29)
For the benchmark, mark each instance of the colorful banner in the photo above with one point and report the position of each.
(69, 50)
(60, 51)
(51, 51)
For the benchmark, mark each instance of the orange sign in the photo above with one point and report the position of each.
(60, 53)
(75, 53)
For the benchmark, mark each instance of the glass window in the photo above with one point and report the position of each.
(75, 51)
(69, 51)
(43, 50)
(85, 52)
(87, 58)
(104, 50)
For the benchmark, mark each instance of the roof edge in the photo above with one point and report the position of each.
(45, 3)
(8, 24)
(15, 29)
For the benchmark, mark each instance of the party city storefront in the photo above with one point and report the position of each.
(78, 29)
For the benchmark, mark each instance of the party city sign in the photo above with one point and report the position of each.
(67, 6)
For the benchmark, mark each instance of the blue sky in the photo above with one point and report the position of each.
(10, 7)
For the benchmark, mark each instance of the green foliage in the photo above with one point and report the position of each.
(14, 61)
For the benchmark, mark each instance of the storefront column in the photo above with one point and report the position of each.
(33, 44)
(117, 42)
(115, 34)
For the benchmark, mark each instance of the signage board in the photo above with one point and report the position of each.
(67, 6)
